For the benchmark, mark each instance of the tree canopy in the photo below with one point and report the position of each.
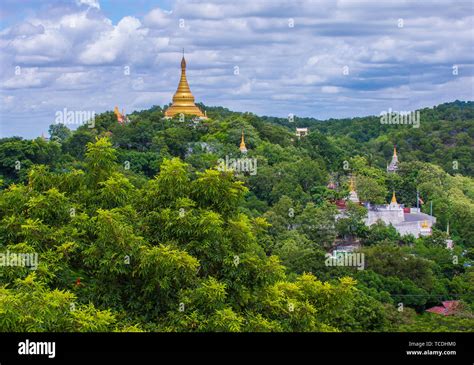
(137, 228)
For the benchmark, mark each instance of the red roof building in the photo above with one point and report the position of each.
(341, 204)
(449, 307)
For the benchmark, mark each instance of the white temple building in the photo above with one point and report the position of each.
(404, 220)
(301, 132)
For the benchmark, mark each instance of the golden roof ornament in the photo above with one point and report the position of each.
(183, 99)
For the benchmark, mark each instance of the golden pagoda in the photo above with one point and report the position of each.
(183, 99)
(351, 184)
(393, 167)
(394, 204)
(243, 148)
(353, 197)
(118, 115)
(394, 199)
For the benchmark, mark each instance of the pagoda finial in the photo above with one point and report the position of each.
(183, 62)
(395, 151)
(394, 198)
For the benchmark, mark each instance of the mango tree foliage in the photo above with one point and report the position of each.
(100, 159)
(31, 307)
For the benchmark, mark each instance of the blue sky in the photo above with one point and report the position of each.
(314, 58)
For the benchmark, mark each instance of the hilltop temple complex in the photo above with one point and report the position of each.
(183, 99)
(404, 219)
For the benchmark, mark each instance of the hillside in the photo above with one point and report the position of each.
(143, 226)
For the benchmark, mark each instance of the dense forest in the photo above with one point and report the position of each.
(142, 226)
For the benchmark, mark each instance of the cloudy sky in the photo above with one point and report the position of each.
(314, 58)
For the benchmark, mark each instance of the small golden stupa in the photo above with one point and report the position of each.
(351, 184)
(118, 114)
(243, 148)
(183, 99)
(353, 197)
(394, 199)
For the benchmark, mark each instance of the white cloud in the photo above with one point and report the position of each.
(26, 29)
(126, 37)
(49, 46)
(28, 78)
(330, 89)
(91, 3)
(158, 18)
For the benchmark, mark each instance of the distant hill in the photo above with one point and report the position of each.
(445, 135)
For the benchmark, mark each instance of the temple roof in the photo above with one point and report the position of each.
(418, 217)
(449, 307)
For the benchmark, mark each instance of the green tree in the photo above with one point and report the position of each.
(59, 132)
(100, 159)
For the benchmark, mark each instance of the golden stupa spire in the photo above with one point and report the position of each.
(243, 148)
(118, 115)
(183, 99)
(351, 184)
(394, 198)
(394, 151)
(352, 193)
